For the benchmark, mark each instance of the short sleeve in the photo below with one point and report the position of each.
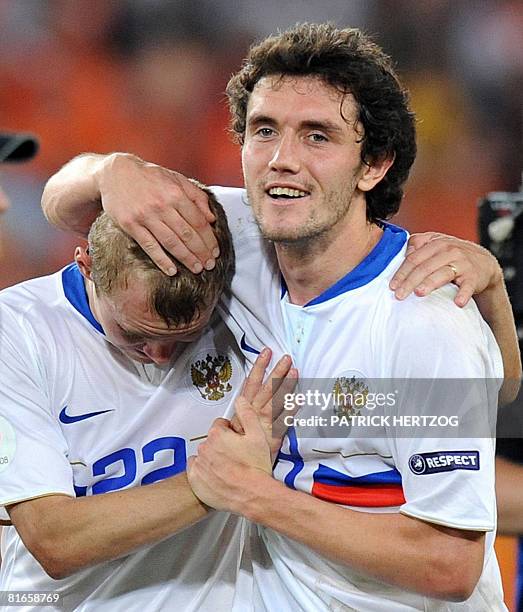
(33, 451)
(451, 370)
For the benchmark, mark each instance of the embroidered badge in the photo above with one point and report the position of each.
(444, 461)
(211, 376)
(349, 396)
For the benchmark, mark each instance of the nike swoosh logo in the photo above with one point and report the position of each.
(68, 419)
(246, 347)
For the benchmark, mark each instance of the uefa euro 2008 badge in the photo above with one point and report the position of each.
(7, 443)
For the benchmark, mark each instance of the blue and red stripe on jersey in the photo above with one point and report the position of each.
(376, 490)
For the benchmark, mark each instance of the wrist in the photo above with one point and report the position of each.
(106, 167)
(498, 279)
(263, 492)
(490, 298)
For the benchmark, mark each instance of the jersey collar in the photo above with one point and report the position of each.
(377, 260)
(74, 290)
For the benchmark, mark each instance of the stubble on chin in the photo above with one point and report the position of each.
(310, 232)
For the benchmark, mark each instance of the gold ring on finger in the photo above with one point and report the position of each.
(454, 270)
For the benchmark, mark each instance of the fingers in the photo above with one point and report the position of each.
(416, 241)
(221, 423)
(281, 389)
(275, 404)
(284, 409)
(248, 419)
(195, 193)
(422, 283)
(254, 381)
(465, 292)
(401, 274)
(266, 399)
(164, 212)
(279, 407)
(153, 249)
(191, 226)
(236, 425)
(219, 429)
(269, 400)
(179, 239)
(437, 259)
(280, 424)
(274, 381)
(429, 268)
(416, 255)
(443, 275)
(276, 408)
(428, 276)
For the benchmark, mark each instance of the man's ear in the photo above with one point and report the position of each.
(374, 172)
(83, 261)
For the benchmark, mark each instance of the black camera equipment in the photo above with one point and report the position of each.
(501, 232)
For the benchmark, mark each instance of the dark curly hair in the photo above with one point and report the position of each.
(351, 62)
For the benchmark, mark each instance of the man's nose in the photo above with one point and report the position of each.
(286, 155)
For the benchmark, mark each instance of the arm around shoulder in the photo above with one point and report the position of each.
(161, 209)
(495, 307)
(71, 199)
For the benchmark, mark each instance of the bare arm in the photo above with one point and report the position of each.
(415, 555)
(509, 495)
(234, 472)
(145, 200)
(429, 265)
(67, 534)
(494, 305)
(71, 198)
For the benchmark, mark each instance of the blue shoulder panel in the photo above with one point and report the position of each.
(74, 290)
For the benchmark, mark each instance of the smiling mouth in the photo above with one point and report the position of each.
(286, 193)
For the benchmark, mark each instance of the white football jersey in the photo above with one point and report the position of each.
(356, 332)
(78, 417)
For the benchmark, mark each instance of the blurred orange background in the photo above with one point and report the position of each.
(148, 76)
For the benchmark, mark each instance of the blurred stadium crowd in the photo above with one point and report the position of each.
(147, 76)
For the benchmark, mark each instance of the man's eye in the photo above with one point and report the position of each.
(133, 341)
(265, 132)
(131, 338)
(317, 137)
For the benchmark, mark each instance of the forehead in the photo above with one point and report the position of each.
(299, 96)
(130, 308)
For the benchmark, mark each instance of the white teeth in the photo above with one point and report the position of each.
(286, 191)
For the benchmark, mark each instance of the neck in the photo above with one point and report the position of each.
(91, 297)
(312, 266)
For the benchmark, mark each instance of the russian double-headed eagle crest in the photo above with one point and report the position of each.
(350, 396)
(211, 376)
